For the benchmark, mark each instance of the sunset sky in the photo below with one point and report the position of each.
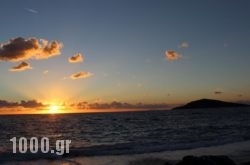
(151, 52)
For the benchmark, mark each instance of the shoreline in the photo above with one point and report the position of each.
(239, 152)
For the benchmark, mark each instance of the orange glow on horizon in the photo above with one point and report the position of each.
(54, 108)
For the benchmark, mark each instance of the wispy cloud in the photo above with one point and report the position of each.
(78, 57)
(240, 95)
(18, 49)
(80, 75)
(31, 10)
(21, 67)
(184, 45)
(172, 55)
(218, 92)
(45, 72)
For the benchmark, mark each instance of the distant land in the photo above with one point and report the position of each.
(209, 103)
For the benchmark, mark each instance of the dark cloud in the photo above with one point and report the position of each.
(78, 57)
(119, 105)
(49, 49)
(172, 55)
(24, 104)
(18, 49)
(21, 67)
(218, 92)
(81, 75)
(5, 104)
(31, 104)
(85, 105)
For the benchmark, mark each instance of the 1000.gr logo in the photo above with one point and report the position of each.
(61, 145)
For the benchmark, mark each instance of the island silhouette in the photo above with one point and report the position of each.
(210, 103)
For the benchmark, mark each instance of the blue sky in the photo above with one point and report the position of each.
(123, 43)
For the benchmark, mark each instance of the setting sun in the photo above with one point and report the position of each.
(54, 109)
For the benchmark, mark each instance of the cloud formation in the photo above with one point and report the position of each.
(184, 45)
(24, 104)
(31, 104)
(81, 75)
(78, 57)
(31, 10)
(119, 105)
(21, 67)
(19, 49)
(172, 55)
(218, 92)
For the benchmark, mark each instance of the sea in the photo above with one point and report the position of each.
(125, 133)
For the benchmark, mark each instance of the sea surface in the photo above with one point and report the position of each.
(127, 133)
